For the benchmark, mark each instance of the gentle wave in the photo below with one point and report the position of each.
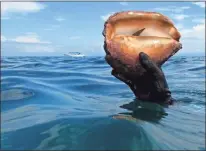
(75, 103)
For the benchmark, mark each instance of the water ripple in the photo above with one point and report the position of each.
(74, 103)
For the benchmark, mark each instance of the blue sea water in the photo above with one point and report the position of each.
(67, 103)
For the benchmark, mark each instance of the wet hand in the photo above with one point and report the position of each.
(152, 86)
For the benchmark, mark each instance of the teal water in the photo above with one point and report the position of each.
(62, 103)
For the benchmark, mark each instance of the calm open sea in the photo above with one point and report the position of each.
(67, 103)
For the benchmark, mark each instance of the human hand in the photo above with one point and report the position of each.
(151, 86)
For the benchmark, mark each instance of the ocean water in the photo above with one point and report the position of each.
(67, 103)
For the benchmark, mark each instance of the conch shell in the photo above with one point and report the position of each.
(129, 33)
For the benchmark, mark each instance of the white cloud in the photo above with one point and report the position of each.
(179, 16)
(37, 48)
(124, 3)
(105, 17)
(21, 7)
(201, 4)
(95, 48)
(179, 26)
(59, 19)
(30, 43)
(74, 37)
(4, 18)
(3, 39)
(196, 32)
(199, 27)
(185, 7)
(198, 20)
(192, 39)
(192, 46)
(52, 27)
(32, 38)
(49, 29)
(175, 9)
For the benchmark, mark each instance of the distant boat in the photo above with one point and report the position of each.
(74, 54)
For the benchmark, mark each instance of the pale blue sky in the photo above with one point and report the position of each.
(55, 28)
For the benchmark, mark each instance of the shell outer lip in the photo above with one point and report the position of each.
(108, 21)
(136, 12)
(104, 32)
(122, 15)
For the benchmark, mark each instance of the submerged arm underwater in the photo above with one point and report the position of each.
(152, 86)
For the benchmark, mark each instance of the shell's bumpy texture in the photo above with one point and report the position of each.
(129, 33)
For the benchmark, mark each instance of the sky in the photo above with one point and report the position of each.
(56, 28)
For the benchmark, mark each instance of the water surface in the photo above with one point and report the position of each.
(67, 103)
